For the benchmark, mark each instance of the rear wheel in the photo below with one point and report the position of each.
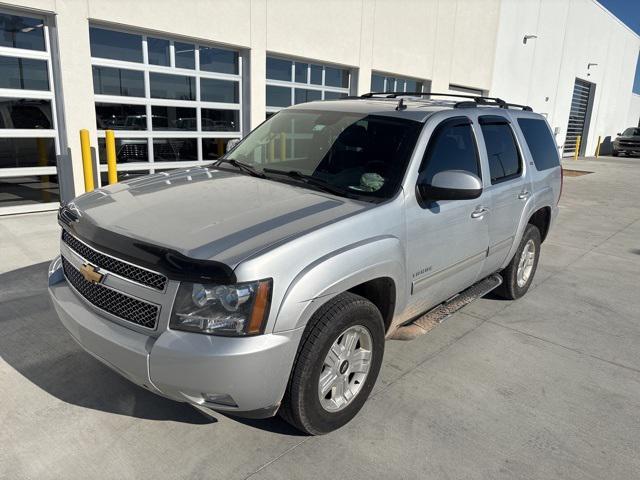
(336, 366)
(518, 275)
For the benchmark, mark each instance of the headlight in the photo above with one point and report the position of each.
(231, 310)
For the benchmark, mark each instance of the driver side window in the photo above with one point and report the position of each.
(452, 147)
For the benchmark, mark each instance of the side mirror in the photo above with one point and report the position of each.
(450, 185)
(231, 144)
(619, 134)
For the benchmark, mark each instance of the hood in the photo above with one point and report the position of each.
(210, 214)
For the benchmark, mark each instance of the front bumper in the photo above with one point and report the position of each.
(183, 366)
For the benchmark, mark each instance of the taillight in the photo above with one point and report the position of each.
(561, 184)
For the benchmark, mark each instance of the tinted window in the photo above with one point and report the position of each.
(174, 149)
(185, 55)
(278, 96)
(173, 118)
(301, 72)
(27, 152)
(278, 69)
(26, 113)
(540, 142)
(115, 45)
(302, 95)
(176, 87)
(21, 32)
(451, 148)
(115, 116)
(218, 60)
(504, 159)
(377, 83)
(23, 73)
(218, 91)
(213, 148)
(336, 77)
(116, 81)
(220, 120)
(631, 132)
(316, 74)
(158, 51)
(128, 150)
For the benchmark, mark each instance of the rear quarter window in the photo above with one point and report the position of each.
(540, 142)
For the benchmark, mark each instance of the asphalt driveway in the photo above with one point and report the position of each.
(545, 387)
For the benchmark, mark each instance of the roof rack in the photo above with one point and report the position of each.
(476, 99)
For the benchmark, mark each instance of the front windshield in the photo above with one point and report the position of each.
(631, 132)
(362, 155)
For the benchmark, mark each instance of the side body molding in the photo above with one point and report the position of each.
(338, 271)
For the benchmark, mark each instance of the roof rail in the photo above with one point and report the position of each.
(477, 99)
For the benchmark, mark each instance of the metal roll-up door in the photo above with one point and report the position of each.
(579, 117)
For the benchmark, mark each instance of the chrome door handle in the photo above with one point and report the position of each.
(479, 212)
(524, 195)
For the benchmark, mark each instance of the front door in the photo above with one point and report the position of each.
(447, 240)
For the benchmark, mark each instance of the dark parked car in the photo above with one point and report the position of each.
(627, 142)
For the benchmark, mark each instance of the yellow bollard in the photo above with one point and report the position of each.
(598, 147)
(87, 164)
(112, 170)
(577, 152)
(220, 145)
(272, 150)
(283, 146)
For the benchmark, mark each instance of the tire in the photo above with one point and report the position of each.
(302, 406)
(614, 153)
(511, 289)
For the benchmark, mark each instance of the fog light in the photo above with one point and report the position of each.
(220, 399)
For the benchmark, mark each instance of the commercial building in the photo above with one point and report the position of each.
(177, 80)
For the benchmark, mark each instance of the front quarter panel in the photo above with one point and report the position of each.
(325, 278)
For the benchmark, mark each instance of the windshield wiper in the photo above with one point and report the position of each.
(310, 180)
(241, 166)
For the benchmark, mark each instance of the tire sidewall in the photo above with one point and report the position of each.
(314, 416)
(531, 233)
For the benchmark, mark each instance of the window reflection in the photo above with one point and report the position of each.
(21, 32)
(218, 60)
(23, 73)
(111, 116)
(27, 152)
(117, 81)
(128, 150)
(115, 45)
(158, 50)
(176, 87)
(185, 55)
(25, 113)
(174, 149)
(220, 120)
(173, 118)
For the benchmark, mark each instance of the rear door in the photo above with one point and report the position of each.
(509, 187)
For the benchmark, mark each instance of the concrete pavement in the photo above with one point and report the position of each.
(541, 388)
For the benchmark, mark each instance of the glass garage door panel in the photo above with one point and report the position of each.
(577, 116)
(28, 128)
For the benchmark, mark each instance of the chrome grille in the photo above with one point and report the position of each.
(122, 306)
(123, 269)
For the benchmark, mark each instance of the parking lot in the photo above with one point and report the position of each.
(544, 387)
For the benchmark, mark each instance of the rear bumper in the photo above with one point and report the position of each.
(183, 366)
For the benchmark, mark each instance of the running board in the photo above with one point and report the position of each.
(439, 314)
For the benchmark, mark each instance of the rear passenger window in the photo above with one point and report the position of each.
(540, 142)
(452, 147)
(503, 155)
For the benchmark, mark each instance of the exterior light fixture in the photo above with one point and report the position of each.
(528, 37)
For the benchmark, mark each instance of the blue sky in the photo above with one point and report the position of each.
(629, 12)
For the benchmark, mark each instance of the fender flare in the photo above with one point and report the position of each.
(336, 272)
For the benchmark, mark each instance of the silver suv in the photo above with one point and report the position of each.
(269, 280)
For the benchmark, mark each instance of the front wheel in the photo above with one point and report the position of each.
(336, 366)
(518, 275)
(615, 152)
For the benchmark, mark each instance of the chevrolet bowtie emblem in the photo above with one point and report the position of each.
(90, 273)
